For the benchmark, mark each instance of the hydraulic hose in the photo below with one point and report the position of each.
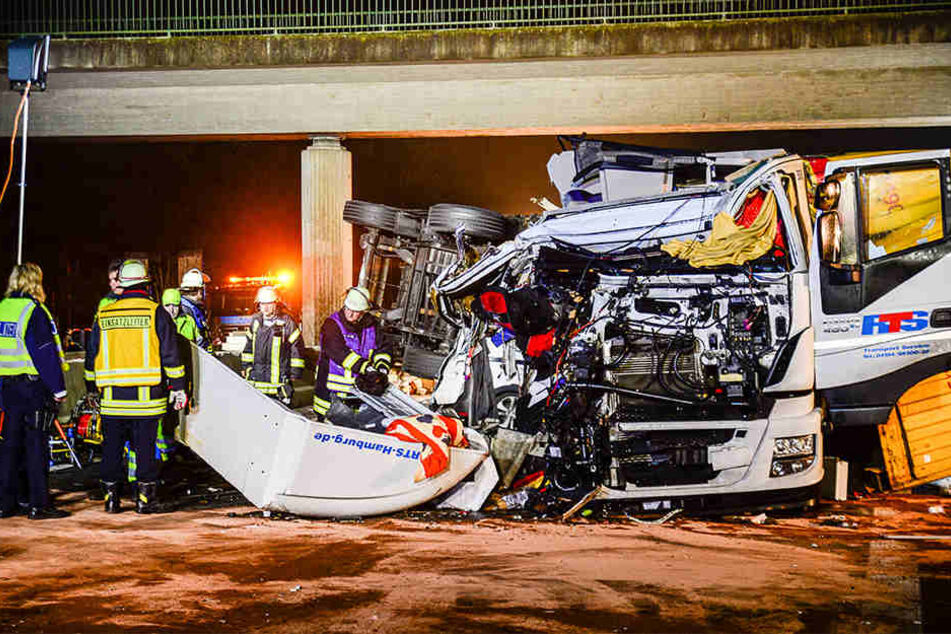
(624, 390)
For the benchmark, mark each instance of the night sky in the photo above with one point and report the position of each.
(239, 202)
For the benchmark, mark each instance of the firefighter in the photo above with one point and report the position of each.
(273, 353)
(186, 327)
(193, 303)
(133, 360)
(184, 323)
(32, 379)
(114, 290)
(350, 347)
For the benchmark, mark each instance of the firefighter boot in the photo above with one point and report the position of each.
(146, 500)
(110, 493)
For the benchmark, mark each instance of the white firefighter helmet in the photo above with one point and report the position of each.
(266, 295)
(194, 278)
(132, 272)
(358, 299)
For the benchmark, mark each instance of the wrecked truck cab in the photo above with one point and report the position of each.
(677, 367)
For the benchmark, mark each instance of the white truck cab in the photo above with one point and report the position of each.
(882, 280)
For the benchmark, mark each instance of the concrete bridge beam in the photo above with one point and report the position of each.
(896, 85)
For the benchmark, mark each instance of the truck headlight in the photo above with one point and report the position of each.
(792, 454)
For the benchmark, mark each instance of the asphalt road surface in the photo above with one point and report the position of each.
(881, 564)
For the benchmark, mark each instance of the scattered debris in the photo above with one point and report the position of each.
(657, 521)
(837, 520)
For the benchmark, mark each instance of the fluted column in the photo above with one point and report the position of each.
(326, 240)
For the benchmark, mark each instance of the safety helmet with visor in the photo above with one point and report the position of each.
(133, 273)
(265, 295)
(194, 278)
(357, 299)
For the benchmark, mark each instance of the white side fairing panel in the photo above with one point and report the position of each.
(283, 461)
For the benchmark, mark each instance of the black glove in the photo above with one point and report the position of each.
(372, 382)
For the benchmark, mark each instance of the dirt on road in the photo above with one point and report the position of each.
(877, 565)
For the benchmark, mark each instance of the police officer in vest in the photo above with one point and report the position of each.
(31, 378)
(133, 360)
(350, 347)
(273, 354)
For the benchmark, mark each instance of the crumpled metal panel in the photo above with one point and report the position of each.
(281, 460)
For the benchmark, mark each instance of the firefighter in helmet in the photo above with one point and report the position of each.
(184, 323)
(193, 303)
(273, 355)
(133, 361)
(350, 348)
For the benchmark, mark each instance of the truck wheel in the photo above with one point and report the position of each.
(370, 215)
(409, 223)
(506, 407)
(478, 223)
(422, 363)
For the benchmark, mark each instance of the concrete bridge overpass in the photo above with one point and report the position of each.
(815, 73)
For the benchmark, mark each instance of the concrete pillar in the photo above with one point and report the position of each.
(327, 241)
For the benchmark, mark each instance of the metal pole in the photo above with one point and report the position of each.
(26, 123)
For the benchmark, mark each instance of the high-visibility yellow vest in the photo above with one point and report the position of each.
(15, 313)
(129, 353)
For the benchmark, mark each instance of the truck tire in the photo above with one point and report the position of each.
(422, 363)
(371, 215)
(479, 223)
(506, 407)
(409, 223)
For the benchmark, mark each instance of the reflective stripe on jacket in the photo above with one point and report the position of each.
(346, 351)
(133, 357)
(342, 376)
(186, 326)
(15, 315)
(273, 354)
(129, 349)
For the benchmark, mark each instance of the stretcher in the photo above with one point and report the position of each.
(281, 460)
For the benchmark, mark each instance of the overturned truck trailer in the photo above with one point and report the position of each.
(282, 461)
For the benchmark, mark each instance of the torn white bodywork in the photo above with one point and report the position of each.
(282, 461)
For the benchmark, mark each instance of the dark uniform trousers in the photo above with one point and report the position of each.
(24, 444)
(141, 433)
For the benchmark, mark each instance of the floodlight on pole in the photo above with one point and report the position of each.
(27, 65)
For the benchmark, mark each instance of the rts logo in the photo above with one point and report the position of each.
(908, 321)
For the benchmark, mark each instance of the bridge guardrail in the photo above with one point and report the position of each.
(158, 18)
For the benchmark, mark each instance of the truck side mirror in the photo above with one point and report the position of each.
(830, 237)
(827, 195)
(829, 228)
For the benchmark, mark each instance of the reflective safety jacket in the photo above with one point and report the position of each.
(186, 326)
(133, 357)
(106, 301)
(347, 351)
(196, 312)
(273, 354)
(30, 344)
